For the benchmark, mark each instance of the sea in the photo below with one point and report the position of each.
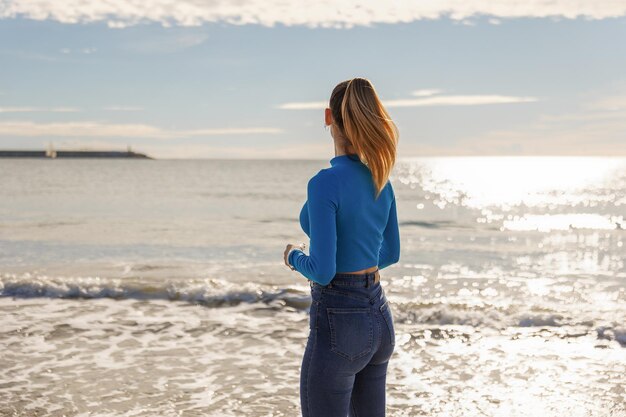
(158, 287)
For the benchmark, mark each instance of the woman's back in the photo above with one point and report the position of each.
(349, 230)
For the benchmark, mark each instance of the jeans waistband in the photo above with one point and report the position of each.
(366, 280)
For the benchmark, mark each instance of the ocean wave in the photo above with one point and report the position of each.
(617, 333)
(485, 315)
(215, 293)
(430, 225)
(209, 292)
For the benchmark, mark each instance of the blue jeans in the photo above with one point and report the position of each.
(351, 338)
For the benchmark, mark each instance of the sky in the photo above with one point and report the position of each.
(251, 79)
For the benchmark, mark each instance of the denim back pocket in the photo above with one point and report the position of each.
(351, 331)
(385, 310)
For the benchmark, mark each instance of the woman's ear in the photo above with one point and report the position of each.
(328, 117)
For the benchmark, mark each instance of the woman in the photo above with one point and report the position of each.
(351, 220)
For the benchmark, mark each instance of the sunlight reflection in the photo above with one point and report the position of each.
(578, 192)
(487, 181)
(547, 222)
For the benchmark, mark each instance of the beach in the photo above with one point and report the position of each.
(157, 287)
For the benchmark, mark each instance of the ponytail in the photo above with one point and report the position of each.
(368, 127)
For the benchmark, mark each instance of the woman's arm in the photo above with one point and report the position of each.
(390, 250)
(323, 202)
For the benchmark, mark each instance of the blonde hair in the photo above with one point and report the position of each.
(361, 117)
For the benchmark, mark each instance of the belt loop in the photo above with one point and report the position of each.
(367, 281)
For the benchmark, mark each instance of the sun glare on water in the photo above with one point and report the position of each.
(527, 193)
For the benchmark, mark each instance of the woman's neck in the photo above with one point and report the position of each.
(343, 150)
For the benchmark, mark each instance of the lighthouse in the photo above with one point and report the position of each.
(50, 152)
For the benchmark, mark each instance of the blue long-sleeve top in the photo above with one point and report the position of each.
(347, 228)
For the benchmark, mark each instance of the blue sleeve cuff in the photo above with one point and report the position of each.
(291, 257)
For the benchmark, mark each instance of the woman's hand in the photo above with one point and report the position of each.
(301, 246)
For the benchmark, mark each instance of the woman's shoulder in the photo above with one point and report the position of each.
(325, 181)
(324, 176)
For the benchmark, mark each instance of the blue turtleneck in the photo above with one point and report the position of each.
(348, 230)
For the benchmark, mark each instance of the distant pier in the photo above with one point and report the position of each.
(51, 153)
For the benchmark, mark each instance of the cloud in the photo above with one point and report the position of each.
(597, 127)
(306, 105)
(87, 51)
(323, 13)
(300, 150)
(38, 109)
(425, 98)
(62, 109)
(166, 42)
(102, 130)
(468, 23)
(471, 100)
(609, 103)
(209, 149)
(122, 108)
(426, 93)
(27, 55)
